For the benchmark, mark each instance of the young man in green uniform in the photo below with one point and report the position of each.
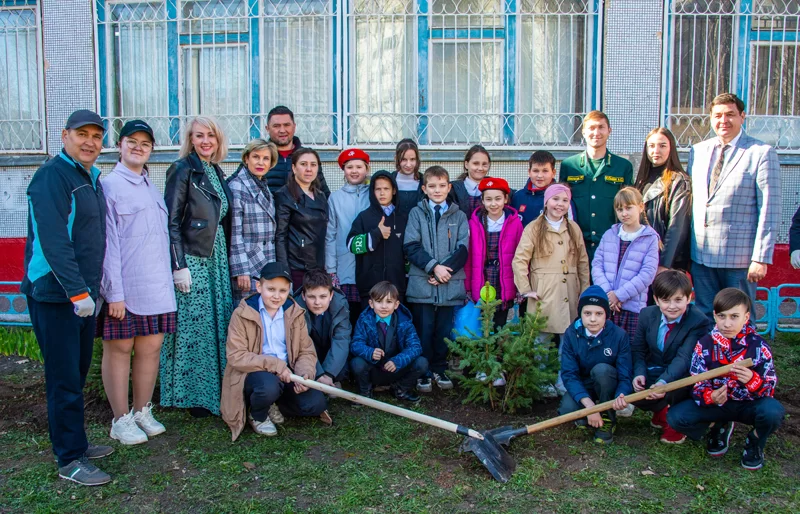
(595, 176)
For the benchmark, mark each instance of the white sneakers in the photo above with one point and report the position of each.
(266, 427)
(497, 382)
(126, 431)
(136, 428)
(627, 412)
(145, 420)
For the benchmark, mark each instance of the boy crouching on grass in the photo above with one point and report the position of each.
(662, 347)
(385, 347)
(267, 342)
(744, 395)
(595, 363)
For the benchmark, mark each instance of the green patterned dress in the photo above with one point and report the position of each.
(193, 358)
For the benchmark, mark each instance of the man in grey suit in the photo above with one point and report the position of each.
(736, 193)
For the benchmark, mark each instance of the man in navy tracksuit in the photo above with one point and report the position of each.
(596, 363)
(63, 268)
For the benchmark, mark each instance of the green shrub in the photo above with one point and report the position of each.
(20, 341)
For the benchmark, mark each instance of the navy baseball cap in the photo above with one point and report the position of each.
(275, 270)
(83, 117)
(135, 126)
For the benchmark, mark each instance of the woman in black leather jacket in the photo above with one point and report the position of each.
(667, 193)
(302, 216)
(199, 222)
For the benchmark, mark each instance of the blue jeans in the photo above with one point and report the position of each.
(710, 281)
(601, 386)
(763, 414)
(262, 389)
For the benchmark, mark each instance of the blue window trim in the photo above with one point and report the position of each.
(335, 70)
(175, 41)
(510, 91)
(18, 3)
(423, 46)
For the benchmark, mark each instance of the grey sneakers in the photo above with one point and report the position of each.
(84, 472)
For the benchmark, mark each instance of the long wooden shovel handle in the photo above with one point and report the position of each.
(391, 409)
(635, 397)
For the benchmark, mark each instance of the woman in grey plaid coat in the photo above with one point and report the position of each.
(253, 223)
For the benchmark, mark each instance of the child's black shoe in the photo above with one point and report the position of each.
(718, 439)
(605, 434)
(407, 395)
(753, 455)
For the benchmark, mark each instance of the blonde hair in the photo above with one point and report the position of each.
(631, 196)
(260, 144)
(210, 123)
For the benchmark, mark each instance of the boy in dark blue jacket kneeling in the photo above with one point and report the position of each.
(385, 346)
(595, 363)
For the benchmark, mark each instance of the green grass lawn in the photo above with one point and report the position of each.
(370, 461)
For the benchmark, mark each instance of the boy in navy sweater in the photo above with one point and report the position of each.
(744, 395)
(663, 345)
(595, 363)
(385, 346)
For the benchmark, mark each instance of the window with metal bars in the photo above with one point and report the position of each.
(21, 85)
(444, 72)
(749, 47)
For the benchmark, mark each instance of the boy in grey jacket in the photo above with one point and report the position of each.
(436, 239)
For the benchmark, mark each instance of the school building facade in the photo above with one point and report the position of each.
(513, 75)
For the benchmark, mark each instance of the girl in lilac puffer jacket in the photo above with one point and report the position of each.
(626, 260)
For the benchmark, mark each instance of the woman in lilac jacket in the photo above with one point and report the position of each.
(626, 260)
(494, 233)
(137, 286)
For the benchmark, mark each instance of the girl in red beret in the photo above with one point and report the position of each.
(494, 233)
(343, 207)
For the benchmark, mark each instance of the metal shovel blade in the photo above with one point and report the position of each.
(493, 456)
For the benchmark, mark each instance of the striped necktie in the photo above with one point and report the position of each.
(717, 170)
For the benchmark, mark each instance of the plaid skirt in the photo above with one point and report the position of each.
(626, 320)
(134, 325)
(351, 293)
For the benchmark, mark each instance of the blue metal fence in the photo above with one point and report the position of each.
(777, 309)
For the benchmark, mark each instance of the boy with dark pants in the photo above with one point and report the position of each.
(662, 347)
(744, 395)
(267, 342)
(437, 235)
(595, 363)
(328, 322)
(385, 347)
(376, 239)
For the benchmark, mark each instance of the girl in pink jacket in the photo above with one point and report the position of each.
(494, 232)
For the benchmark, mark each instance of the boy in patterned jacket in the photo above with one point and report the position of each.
(744, 395)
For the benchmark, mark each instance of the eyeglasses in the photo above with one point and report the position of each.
(133, 144)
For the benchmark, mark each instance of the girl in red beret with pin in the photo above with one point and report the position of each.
(494, 233)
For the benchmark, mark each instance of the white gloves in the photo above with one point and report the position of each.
(182, 279)
(796, 259)
(84, 307)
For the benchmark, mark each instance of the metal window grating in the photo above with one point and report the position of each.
(750, 47)
(21, 85)
(444, 72)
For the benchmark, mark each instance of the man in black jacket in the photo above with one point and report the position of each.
(281, 128)
(662, 347)
(63, 269)
(376, 238)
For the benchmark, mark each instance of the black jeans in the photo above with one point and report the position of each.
(601, 386)
(368, 374)
(763, 414)
(66, 341)
(433, 324)
(671, 398)
(262, 389)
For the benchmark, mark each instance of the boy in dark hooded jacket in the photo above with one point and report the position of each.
(376, 239)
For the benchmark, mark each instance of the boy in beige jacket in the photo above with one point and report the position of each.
(267, 342)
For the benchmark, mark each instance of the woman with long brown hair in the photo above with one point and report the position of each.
(666, 190)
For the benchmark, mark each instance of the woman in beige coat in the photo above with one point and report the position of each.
(551, 265)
